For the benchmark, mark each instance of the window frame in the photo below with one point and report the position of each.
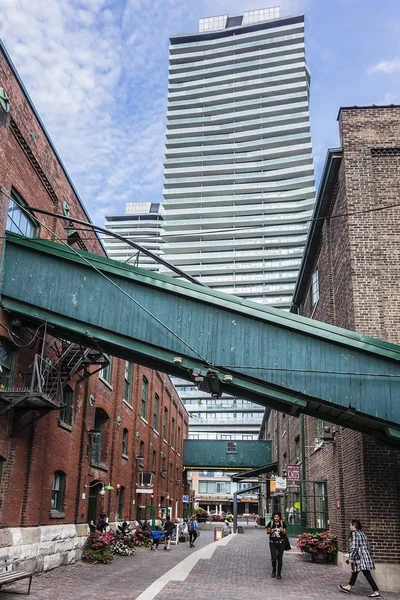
(314, 288)
(58, 494)
(156, 412)
(144, 397)
(125, 437)
(16, 197)
(8, 368)
(65, 416)
(128, 383)
(105, 373)
(165, 424)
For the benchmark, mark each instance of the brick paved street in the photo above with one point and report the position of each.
(241, 569)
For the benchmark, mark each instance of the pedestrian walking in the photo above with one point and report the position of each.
(156, 535)
(102, 524)
(169, 527)
(360, 559)
(276, 529)
(192, 529)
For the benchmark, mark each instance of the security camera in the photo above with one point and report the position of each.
(177, 360)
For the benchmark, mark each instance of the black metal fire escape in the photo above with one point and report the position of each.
(51, 371)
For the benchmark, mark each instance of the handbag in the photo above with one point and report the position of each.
(287, 544)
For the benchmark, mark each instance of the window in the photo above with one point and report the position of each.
(178, 441)
(156, 411)
(165, 426)
(231, 447)
(128, 383)
(125, 442)
(214, 487)
(100, 437)
(154, 461)
(19, 221)
(314, 288)
(145, 385)
(121, 502)
(6, 365)
(2, 461)
(225, 436)
(164, 468)
(173, 432)
(106, 372)
(57, 493)
(66, 410)
(141, 450)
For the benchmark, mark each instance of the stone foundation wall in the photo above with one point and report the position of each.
(37, 549)
(386, 575)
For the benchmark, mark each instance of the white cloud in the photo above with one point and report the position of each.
(97, 72)
(386, 66)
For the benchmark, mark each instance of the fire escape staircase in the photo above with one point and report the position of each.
(43, 387)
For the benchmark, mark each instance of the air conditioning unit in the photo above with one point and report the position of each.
(145, 479)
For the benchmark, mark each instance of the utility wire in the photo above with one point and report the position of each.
(88, 262)
(307, 371)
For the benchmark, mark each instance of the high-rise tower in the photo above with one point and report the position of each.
(239, 177)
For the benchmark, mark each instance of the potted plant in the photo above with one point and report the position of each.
(201, 515)
(322, 545)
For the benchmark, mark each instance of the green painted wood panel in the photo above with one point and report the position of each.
(220, 455)
(275, 358)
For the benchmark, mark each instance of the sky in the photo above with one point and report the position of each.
(97, 72)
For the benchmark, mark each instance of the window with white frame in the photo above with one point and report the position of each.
(57, 492)
(314, 288)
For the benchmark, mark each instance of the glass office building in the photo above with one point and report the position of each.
(239, 176)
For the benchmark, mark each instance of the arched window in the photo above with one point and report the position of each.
(165, 425)
(66, 410)
(100, 440)
(145, 385)
(19, 221)
(58, 491)
(125, 442)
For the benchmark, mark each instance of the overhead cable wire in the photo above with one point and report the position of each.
(322, 371)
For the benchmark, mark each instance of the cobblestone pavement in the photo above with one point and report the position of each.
(240, 570)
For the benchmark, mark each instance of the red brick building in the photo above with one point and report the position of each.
(120, 425)
(350, 278)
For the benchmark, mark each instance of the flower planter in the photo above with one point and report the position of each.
(321, 557)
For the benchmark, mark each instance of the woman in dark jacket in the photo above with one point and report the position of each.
(276, 530)
(360, 559)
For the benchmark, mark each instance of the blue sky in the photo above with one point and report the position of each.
(97, 71)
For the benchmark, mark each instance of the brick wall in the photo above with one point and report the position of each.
(358, 262)
(29, 164)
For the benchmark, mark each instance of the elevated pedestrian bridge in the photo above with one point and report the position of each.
(219, 342)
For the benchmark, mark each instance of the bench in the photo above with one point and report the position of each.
(9, 575)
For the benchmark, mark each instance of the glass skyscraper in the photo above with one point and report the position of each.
(239, 176)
